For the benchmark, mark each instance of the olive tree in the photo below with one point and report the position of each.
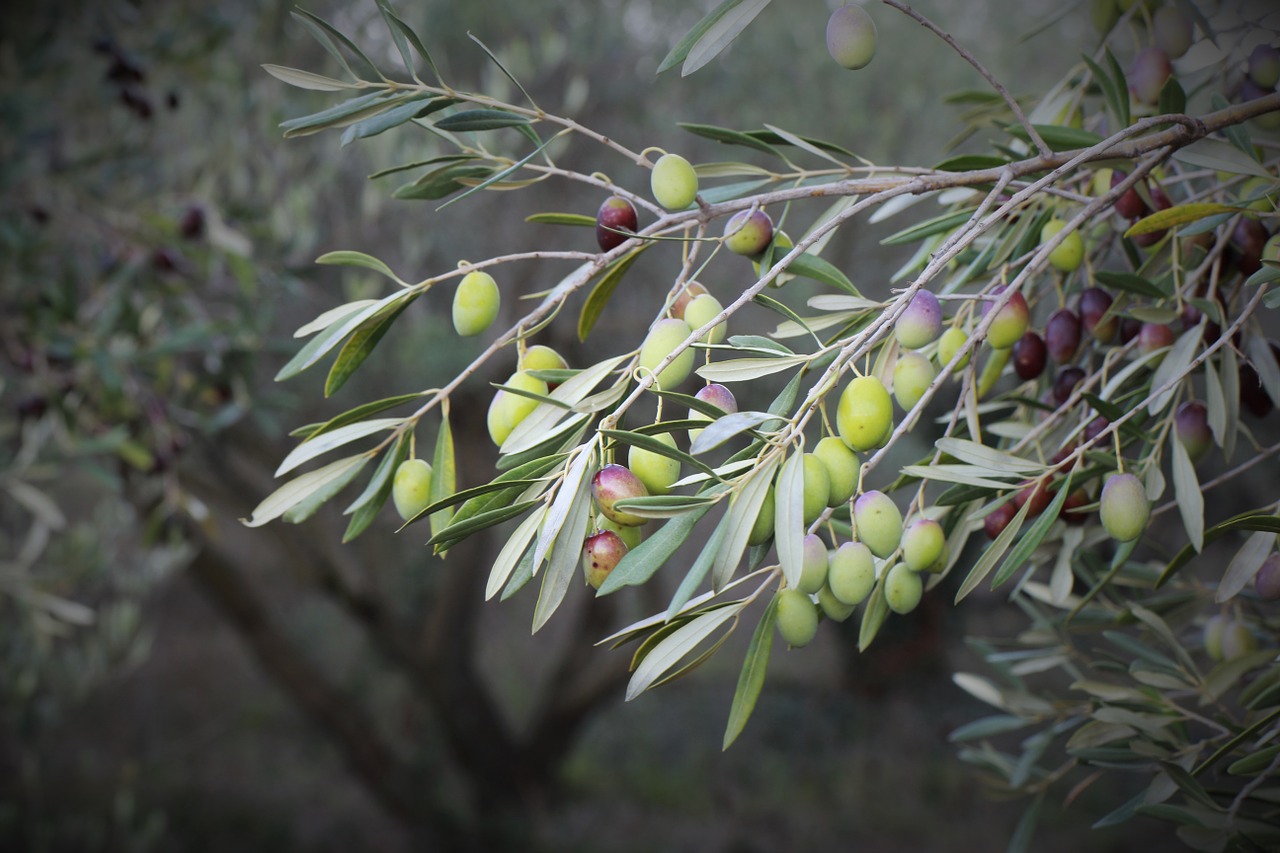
(1079, 335)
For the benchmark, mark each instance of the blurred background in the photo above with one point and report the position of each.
(173, 681)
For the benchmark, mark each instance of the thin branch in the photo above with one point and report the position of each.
(968, 57)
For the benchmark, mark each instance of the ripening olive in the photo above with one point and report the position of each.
(912, 376)
(851, 573)
(1124, 507)
(702, 310)
(922, 544)
(673, 182)
(1237, 640)
(851, 37)
(817, 487)
(658, 472)
(475, 303)
(601, 554)
(878, 522)
(411, 487)
(748, 232)
(813, 574)
(903, 589)
(949, 344)
(717, 395)
(1267, 581)
(1148, 73)
(1264, 66)
(1068, 255)
(614, 483)
(865, 413)
(920, 323)
(832, 607)
(507, 410)
(762, 529)
(686, 295)
(1011, 321)
(797, 618)
(842, 469)
(664, 337)
(630, 536)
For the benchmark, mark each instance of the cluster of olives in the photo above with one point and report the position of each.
(833, 583)
(507, 409)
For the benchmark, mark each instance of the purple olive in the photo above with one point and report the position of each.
(1191, 426)
(920, 322)
(615, 213)
(1154, 336)
(1029, 355)
(1267, 581)
(1062, 335)
(1147, 76)
(1094, 305)
(1065, 382)
(1129, 205)
(614, 483)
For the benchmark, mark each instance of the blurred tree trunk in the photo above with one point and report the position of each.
(511, 775)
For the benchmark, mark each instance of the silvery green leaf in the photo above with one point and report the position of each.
(300, 488)
(681, 642)
(574, 483)
(744, 507)
(988, 457)
(722, 429)
(334, 439)
(1186, 488)
(511, 553)
(1175, 365)
(1245, 564)
(746, 369)
(565, 556)
(789, 517)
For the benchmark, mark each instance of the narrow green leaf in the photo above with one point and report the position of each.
(1122, 88)
(814, 267)
(1056, 136)
(1130, 282)
(747, 369)
(574, 482)
(1181, 214)
(686, 43)
(874, 613)
(370, 68)
(698, 571)
(654, 445)
(1020, 842)
(339, 115)
(360, 345)
(332, 440)
(992, 555)
(788, 527)
(639, 564)
(1117, 100)
(576, 219)
(1173, 100)
(321, 344)
(936, 225)
(744, 508)
(375, 125)
(499, 176)
(1034, 536)
(364, 509)
(305, 79)
(674, 647)
(724, 428)
(1176, 363)
(515, 548)
(1221, 157)
(300, 488)
(460, 529)
(970, 162)
(664, 506)
(349, 258)
(751, 679)
(721, 34)
(481, 119)
(603, 290)
(1244, 565)
(565, 555)
(441, 182)
(444, 478)
(1186, 488)
(728, 137)
(398, 26)
(304, 509)
(359, 413)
